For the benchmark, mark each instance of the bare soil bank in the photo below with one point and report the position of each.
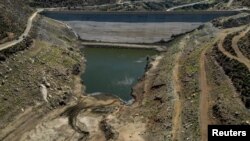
(129, 32)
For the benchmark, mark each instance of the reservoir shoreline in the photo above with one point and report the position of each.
(150, 28)
(58, 10)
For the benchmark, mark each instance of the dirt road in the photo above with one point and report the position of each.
(177, 105)
(186, 5)
(176, 120)
(222, 37)
(229, 3)
(203, 97)
(25, 33)
(236, 48)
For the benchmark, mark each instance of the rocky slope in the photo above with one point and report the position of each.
(37, 74)
(68, 3)
(141, 5)
(190, 85)
(13, 18)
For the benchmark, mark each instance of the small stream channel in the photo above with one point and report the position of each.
(115, 70)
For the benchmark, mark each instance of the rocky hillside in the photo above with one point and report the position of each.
(113, 5)
(37, 75)
(242, 3)
(139, 5)
(232, 21)
(13, 18)
(68, 3)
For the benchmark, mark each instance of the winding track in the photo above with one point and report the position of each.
(229, 55)
(204, 98)
(24, 34)
(186, 5)
(236, 48)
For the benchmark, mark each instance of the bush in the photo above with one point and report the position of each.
(237, 72)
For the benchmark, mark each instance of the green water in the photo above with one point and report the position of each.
(114, 70)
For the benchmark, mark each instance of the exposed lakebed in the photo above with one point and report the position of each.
(116, 70)
(133, 27)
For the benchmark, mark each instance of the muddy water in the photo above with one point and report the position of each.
(114, 70)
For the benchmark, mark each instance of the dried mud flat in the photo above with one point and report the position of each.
(130, 32)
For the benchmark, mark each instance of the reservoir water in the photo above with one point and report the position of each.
(113, 70)
(137, 17)
(116, 70)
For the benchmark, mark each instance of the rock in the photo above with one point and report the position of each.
(16, 90)
(3, 82)
(46, 83)
(2, 57)
(44, 92)
(193, 95)
(32, 60)
(59, 88)
(158, 98)
(109, 132)
(157, 86)
(62, 103)
(247, 103)
(136, 114)
(9, 69)
(159, 120)
(248, 122)
(236, 114)
(71, 49)
(76, 69)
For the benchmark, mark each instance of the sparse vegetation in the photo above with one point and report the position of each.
(13, 18)
(232, 21)
(68, 3)
(244, 45)
(227, 43)
(226, 105)
(238, 73)
(29, 64)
